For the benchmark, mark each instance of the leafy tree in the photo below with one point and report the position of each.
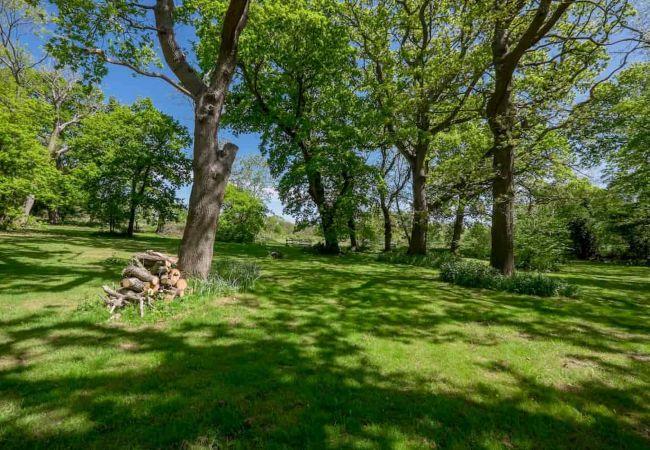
(423, 64)
(614, 132)
(297, 72)
(544, 53)
(25, 166)
(68, 100)
(542, 238)
(459, 174)
(18, 17)
(393, 179)
(131, 157)
(252, 174)
(91, 35)
(242, 217)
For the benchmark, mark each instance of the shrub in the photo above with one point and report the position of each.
(541, 240)
(479, 275)
(242, 216)
(471, 274)
(434, 259)
(475, 242)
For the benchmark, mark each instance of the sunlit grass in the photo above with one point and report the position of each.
(324, 352)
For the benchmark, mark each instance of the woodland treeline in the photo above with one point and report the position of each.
(475, 124)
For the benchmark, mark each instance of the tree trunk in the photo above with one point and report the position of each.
(458, 227)
(211, 168)
(53, 215)
(132, 206)
(418, 242)
(160, 227)
(502, 255)
(501, 119)
(131, 228)
(53, 141)
(27, 208)
(388, 228)
(352, 227)
(329, 232)
(327, 213)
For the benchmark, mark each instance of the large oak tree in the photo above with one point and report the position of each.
(424, 63)
(91, 35)
(545, 55)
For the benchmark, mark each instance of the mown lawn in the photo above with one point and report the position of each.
(326, 352)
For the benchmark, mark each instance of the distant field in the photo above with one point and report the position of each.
(326, 352)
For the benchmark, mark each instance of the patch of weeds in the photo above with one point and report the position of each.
(480, 275)
(92, 309)
(115, 261)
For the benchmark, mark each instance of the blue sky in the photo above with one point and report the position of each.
(124, 85)
(127, 87)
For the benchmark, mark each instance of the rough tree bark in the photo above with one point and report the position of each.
(352, 228)
(388, 228)
(501, 114)
(211, 163)
(458, 227)
(329, 232)
(420, 169)
(136, 196)
(27, 208)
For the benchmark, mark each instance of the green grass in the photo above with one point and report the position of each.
(325, 352)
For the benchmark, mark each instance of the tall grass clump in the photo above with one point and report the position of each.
(228, 277)
(480, 275)
(433, 259)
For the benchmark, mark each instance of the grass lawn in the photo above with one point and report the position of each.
(325, 352)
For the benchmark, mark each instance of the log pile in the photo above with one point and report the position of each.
(150, 276)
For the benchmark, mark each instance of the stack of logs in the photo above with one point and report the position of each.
(150, 276)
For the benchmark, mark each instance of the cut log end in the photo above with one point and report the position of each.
(150, 276)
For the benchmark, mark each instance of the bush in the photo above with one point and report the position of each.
(434, 259)
(479, 275)
(541, 240)
(242, 216)
(475, 242)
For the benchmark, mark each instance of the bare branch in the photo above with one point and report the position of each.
(146, 73)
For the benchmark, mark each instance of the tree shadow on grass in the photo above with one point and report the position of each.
(269, 391)
(292, 370)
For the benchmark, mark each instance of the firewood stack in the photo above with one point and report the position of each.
(149, 276)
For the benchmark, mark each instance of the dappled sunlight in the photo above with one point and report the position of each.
(338, 352)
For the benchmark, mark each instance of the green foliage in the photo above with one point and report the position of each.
(298, 76)
(541, 239)
(25, 165)
(615, 131)
(251, 173)
(242, 216)
(433, 259)
(117, 29)
(476, 240)
(129, 158)
(480, 275)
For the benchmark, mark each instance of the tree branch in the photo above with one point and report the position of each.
(99, 52)
(192, 84)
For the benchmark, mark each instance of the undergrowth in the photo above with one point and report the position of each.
(479, 275)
